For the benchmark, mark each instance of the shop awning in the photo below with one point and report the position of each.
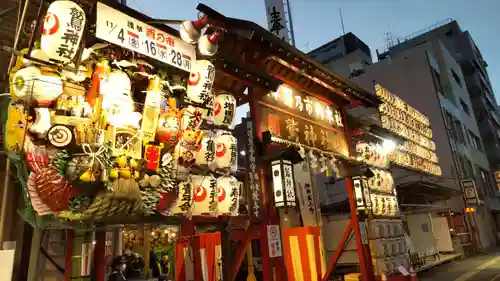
(284, 51)
(424, 192)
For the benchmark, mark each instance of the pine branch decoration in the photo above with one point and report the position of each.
(60, 161)
(79, 203)
(108, 162)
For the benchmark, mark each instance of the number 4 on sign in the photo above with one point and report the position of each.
(121, 35)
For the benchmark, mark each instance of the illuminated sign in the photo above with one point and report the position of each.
(417, 152)
(293, 116)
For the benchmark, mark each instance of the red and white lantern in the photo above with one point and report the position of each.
(201, 80)
(224, 109)
(225, 152)
(192, 117)
(205, 195)
(205, 156)
(62, 30)
(228, 189)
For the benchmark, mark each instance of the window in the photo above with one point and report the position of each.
(475, 141)
(459, 131)
(449, 33)
(456, 78)
(465, 107)
(485, 180)
(437, 81)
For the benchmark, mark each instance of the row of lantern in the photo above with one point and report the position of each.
(407, 160)
(386, 228)
(406, 132)
(384, 205)
(419, 151)
(372, 154)
(385, 248)
(399, 103)
(206, 196)
(403, 117)
(381, 181)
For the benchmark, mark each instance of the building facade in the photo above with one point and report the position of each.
(429, 77)
(476, 80)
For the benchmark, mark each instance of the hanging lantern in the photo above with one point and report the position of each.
(224, 109)
(228, 190)
(32, 85)
(205, 195)
(184, 202)
(62, 30)
(283, 183)
(192, 117)
(191, 30)
(209, 44)
(201, 80)
(205, 156)
(225, 152)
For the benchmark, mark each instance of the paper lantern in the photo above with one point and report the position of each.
(62, 30)
(224, 109)
(42, 122)
(228, 189)
(30, 84)
(208, 44)
(283, 183)
(192, 117)
(205, 156)
(201, 80)
(365, 151)
(225, 152)
(190, 31)
(205, 195)
(184, 202)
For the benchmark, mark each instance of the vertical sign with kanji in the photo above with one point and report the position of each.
(276, 19)
(274, 241)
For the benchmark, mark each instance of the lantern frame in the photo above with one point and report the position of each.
(283, 181)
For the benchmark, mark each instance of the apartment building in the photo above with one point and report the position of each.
(476, 80)
(428, 77)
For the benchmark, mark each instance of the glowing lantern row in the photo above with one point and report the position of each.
(372, 154)
(382, 181)
(62, 30)
(383, 205)
(206, 195)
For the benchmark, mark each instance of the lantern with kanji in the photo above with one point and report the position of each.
(62, 30)
(228, 190)
(225, 152)
(224, 109)
(184, 203)
(205, 156)
(192, 117)
(205, 195)
(283, 183)
(201, 80)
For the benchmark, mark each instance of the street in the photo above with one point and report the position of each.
(485, 267)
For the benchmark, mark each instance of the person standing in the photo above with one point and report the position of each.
(118, 265)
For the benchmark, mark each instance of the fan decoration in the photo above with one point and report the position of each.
(113, 134)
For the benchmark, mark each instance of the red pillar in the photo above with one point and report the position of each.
(68, 256)
(100, 255)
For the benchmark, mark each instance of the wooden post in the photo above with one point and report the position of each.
(100, 255)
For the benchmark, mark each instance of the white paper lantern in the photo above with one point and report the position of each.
(184, 202)
(365, 151)
(225, 152)
(193, 117)
(205, 195)
(224, 109)
(62, 30)
(205, 156)
(201, 80)
(228, 188)
(30, 84)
